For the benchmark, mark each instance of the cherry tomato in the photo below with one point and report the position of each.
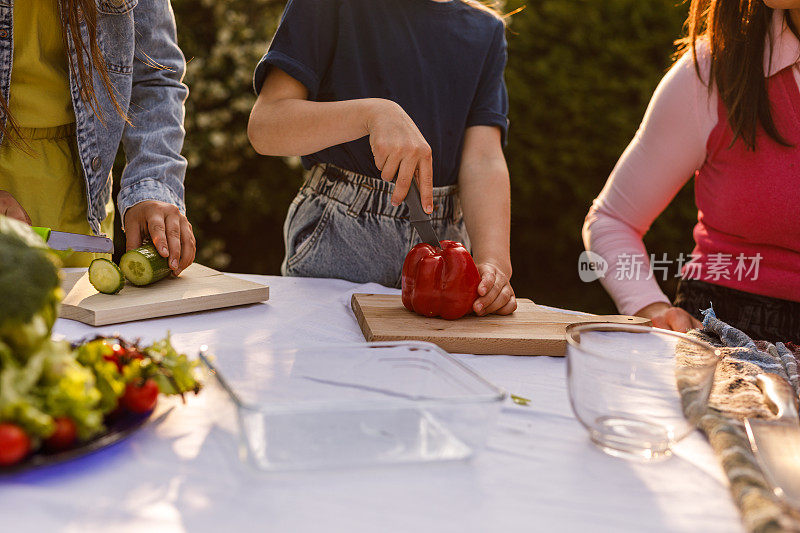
(140, 397)
(64, 436)
(116, 356)
(122, 356)
(119, 351)
(14, 444)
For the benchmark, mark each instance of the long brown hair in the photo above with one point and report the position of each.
(495, 7)
(737, 32)
(72, 13)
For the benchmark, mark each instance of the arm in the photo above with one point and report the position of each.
(668, 148)
(484, 191)
(151, 197)
(284, 122)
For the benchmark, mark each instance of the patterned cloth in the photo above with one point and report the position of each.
(734, 396)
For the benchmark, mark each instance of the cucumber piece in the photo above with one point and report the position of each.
(143, 265)
(105, 276)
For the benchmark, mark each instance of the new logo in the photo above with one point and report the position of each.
(591, 266)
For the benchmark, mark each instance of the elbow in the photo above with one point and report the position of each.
(256, 136)
(589, 220)
(600, 226)
(259, 126)
(497, 167)
(252, 136)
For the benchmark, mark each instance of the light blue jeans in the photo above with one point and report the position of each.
(343, 225)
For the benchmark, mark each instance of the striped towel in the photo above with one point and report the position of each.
(734, 396)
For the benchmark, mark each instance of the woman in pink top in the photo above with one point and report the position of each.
(727, 113)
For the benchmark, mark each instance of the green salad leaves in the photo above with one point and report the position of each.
(41, 379)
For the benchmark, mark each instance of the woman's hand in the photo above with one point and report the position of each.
(400, 150)
(164, 225)
(665, 316)
(12, 209)
(495, 292)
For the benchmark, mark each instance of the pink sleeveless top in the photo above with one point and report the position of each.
(748, 224)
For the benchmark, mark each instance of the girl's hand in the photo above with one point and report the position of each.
(400, 150)
(664, 316)
(495, 292)
(166, 227)
(12, 209)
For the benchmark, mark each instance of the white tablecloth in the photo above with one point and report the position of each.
(539, 471)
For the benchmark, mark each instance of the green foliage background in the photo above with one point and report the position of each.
(580, 75)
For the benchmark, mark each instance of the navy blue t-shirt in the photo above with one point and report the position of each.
(442, 62)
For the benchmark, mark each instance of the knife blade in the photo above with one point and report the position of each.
(776, 441)
(60, 240)
(419, 218)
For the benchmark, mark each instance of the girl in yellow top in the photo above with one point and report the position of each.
(72, 101)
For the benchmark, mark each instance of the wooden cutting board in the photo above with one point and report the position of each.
(198, 288)
(530, 330)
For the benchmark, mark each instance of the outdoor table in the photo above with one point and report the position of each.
(538, 472)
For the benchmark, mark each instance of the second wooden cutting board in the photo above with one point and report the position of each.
(530, 330)
(198, 288)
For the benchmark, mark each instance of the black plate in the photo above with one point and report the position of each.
(117, 429)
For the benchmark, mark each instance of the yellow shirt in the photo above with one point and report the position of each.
(40, 167)
(40, 96)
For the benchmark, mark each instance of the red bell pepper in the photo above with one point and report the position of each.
(440, 281)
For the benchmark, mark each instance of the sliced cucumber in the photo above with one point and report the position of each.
(143, 265)
(105, 276)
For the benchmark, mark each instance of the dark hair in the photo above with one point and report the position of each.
(72, 12)
(737, 32)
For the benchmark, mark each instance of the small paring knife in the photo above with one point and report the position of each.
(776, 441)
(419, 218)
(59, 240)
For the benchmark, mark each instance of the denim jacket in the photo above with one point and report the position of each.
(138, 41)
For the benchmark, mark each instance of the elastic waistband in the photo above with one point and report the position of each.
(364, 194)
(33, 134)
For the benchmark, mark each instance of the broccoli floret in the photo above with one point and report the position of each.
(29, 287)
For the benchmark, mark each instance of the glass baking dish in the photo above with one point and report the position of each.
(354, 405)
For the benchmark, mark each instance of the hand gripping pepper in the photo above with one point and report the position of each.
(440, 281)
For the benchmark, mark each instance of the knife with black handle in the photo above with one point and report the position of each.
(419, 218)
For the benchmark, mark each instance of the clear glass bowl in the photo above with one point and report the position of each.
(353, 405)
(623, 385)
